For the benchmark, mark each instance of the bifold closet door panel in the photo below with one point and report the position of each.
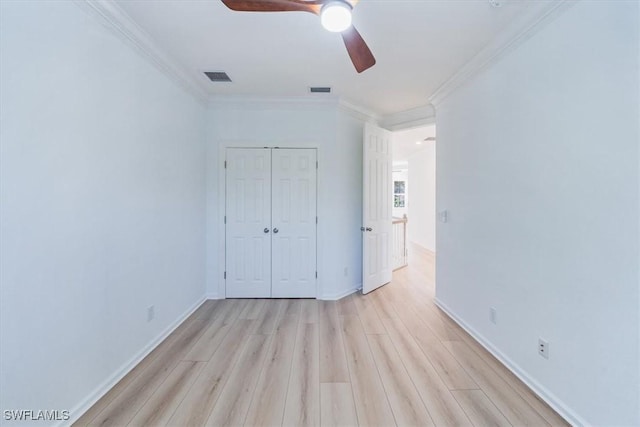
(248, 228)
(294, 223)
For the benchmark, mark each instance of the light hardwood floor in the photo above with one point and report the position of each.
(387, 358)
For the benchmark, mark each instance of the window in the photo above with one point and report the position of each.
(399, 194)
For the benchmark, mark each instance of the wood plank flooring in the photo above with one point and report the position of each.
(383, 359)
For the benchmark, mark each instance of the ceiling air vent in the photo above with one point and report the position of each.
(320, 89)
(217, 76)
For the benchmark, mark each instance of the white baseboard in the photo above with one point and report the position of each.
(552, 400)
(339, 295)
(326, 297)
(101, 390)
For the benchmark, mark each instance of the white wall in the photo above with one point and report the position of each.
(338, 138)
(344, 168)
(102, 204)
(422, 204)
(538, 167)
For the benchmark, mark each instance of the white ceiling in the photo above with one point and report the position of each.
(418, 45)
(405, 143)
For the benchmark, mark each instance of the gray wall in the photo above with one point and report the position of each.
(538, 167)
(102, 204)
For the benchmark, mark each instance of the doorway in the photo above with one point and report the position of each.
(414, 199)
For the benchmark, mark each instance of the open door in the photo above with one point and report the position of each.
(376, 221)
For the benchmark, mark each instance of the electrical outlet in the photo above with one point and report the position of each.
(543, 348)
(493, 315)
(151, 313)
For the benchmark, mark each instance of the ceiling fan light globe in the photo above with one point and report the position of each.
(336, 16)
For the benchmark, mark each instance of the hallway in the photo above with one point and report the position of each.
(387, 358)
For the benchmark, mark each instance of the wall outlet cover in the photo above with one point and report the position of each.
(543, 348)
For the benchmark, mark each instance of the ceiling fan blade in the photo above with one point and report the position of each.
(358, 50)
(274, 6)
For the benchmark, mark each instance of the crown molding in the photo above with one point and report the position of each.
(125, 28)
(298, 102)
(408, 119)
(271, 102)
(358, 112)
(539, 14)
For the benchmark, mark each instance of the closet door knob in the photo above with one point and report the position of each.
(275, 231)
(266, 230)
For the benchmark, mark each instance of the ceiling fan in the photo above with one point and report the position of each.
(335, 16)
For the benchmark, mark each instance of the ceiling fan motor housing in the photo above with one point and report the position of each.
(335, 16)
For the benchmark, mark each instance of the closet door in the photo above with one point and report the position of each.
(248, 218)
(294, 223)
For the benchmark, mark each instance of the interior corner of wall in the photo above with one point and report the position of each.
(333, 296)
(212, 295)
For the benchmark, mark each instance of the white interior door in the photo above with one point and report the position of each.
(294, 223)
(248, 223)
(377, 222)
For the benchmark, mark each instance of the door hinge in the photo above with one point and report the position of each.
(316, 220)
(316, 164)
(225, 274)
(225, 164)
(225, 219)
(316, 274)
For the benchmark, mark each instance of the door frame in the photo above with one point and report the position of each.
(215, 266)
